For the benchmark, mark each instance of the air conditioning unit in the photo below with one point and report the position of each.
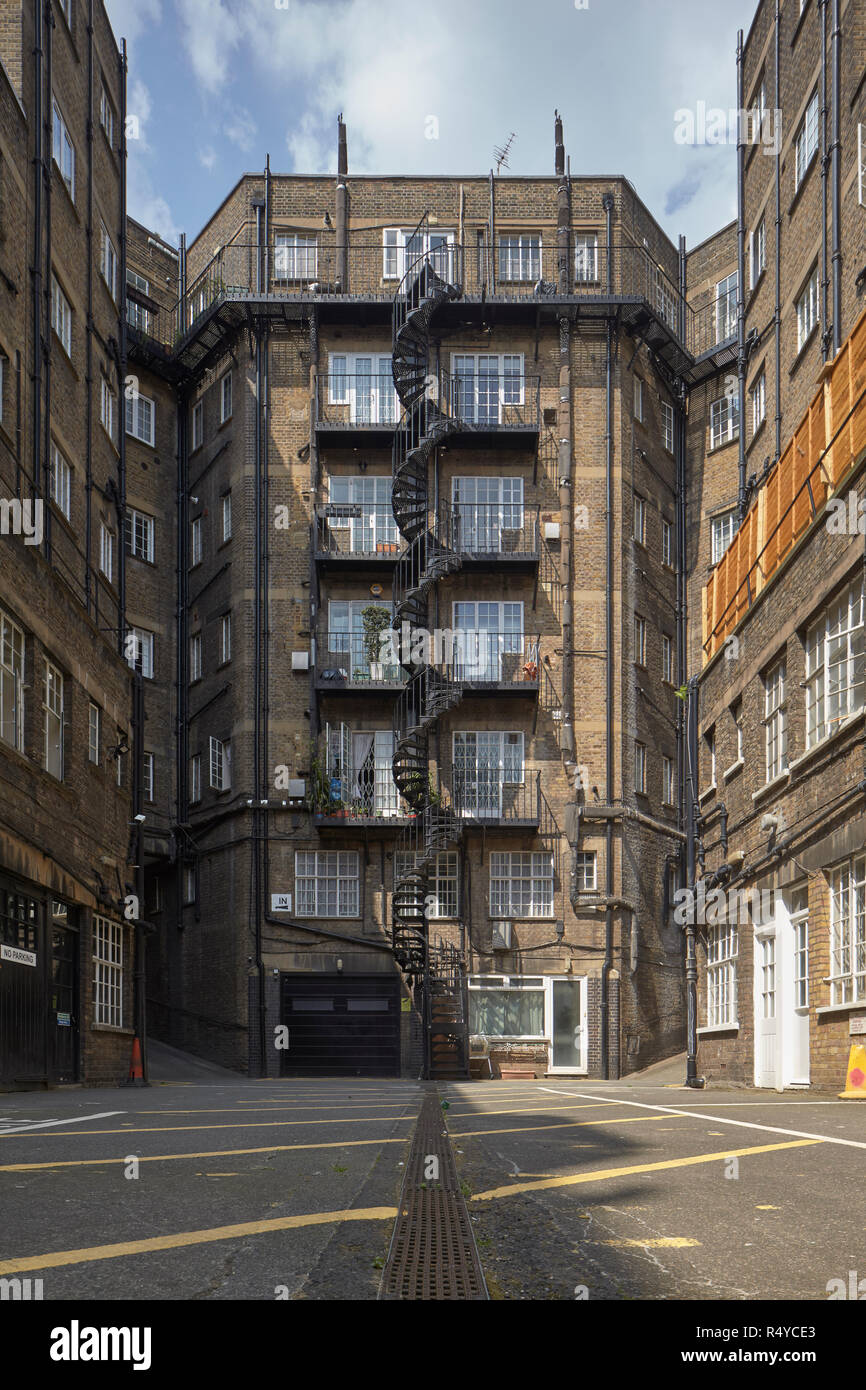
(502, 936)
(300, 661)
(551, 530)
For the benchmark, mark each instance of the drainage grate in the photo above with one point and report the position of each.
(432, 1253)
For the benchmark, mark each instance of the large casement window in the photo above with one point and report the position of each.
(52, 721)
(358, 769)
(443, 881)
(585, 257)
(107, 972)
(835, 665)
(724, 421)
(521, 884)
(94, 731)
(139, 533)
(520, 257)
(722, 975)
(776, 721)
(220, 764)
(11, 683)
(136, 314)
(798, 908)
(295, 256)
(60, 482)
(195, 777)
(63, 151)
(141, 418)
(488, 642)
(726, 308)
(61, 316)
(848, 932)
(327, 883)
(402, 251)
(347, 650)
(486, 763)
(722, 531)
(808, 310)
(139, 650)
(507, 1006)
(806, 140)
(108, 260)
(361, 516)
(487, 386)
(365, 384)
(487, 513)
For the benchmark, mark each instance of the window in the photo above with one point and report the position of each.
(442, 883)
(861, 165)
(667, 542)
(94, 722)
(710, 745)
(808, 310)
(487, 512)
(666, 297)
(106, 115)
(119, 762)
(798, 910)
(667, 426)
(402, 249)
(737, 717)
(668, 796)
(667, 659)
(848, 932)
(52, 712)
(11, 683)
(759, 402)
(487, 387)
(189, 893)
(106, 552)
(757, 253)
(521, 884)
(638, 399)
(225, 638)
(294, 256)
(227, 516)
(488, 634)
(757, 114)
(147, 783)
(835, 665)
(225, 398)
(220, 764)
(195, 777)
(327, 883)
(639, 640)
(586, 871)
(722, 531)
(359, 769)
(375, 529)
(776, 721)
(502, 1006)
(520, 258)
(64, 151)
(139, 651)
(585, 257)
(485, 764)
(60, 482)
(197, 424)
(106, 408)
(364, 382)
(137, 314)
(726, 308)
(195, 542)
(195, 657)
(806, 140)
(141, 418)
(107, 972)
(722, 976)
(139, 532)
(640, 768)
(61, 316)
(639, 519)
(108, 261)
(724, 421)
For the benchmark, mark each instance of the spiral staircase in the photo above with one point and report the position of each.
(435, 969)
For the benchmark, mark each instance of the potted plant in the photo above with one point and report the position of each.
(376, 620)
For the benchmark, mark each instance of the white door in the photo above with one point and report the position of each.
(766, 1023)
(565, 1016)
(485, 507)
(794, 944)
(486, 631)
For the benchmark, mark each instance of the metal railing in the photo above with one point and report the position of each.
(343, 658)
(480, 794)
(358, 530)
(357, 399)
(491, 400)
(487, 658)
(489, 528)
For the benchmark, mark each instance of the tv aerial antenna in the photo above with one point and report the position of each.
(501, 152)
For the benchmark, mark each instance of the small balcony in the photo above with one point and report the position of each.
(489, 663)
(492, 409)
(352, 786)
(491, 535)
(357, 535)
(481, 799)
(356, 407)
(343, 666)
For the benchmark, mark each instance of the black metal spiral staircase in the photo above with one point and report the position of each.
(427, 694)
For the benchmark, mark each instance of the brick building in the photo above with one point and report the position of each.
(781, 783)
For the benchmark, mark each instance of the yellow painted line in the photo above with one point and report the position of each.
(171, 1129)
(605, 1174)
(539, 1129)
(768, 1208)
(208, 1153)
(661, 1243)
(21, 1264)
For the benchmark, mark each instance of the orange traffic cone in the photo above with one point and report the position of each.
(855, 1080)
(136, 1070)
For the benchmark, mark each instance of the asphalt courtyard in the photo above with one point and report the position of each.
(223, 1189)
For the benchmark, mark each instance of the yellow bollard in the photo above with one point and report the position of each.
(855, 1080)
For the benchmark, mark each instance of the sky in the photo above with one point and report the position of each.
(216, 85)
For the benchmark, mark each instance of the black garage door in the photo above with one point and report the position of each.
(341, 1025)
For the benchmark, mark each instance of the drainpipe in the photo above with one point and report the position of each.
(691, 959)
(40, 489)
(342, 208)
(777, 308)
(139, 971)
(48, 119)
(182, 630)
(681, 555)
(836, 172)
(491, 249)
(88, 370)
(121, 365)
(825, 168)
(607, 203)
(563, 210)
(741, 283)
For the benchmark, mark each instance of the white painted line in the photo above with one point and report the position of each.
(719, 1119)
(82, 1119)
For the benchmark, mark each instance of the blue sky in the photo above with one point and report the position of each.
(218, 84)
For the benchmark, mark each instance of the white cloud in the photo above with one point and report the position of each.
(207, 158)
(130, 18)
(210, 34)
(241, 129)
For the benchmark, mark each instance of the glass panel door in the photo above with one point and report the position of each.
(568, 1025)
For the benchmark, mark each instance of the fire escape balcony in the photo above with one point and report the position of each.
(479, 662)
(491, 535)
(344, 665)
(357, 536)
(356, 409)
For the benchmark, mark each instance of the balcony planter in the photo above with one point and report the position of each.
(530, 671)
